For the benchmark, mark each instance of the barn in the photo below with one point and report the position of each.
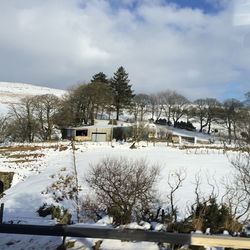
(88, 133)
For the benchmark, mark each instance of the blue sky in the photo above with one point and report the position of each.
(211, 7)
(196, 47)
(207, 6)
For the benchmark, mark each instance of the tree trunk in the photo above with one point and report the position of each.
(201, 125)
(117, 112)
(229, 132)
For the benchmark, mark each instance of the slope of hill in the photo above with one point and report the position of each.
(11, 93)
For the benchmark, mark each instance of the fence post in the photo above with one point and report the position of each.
(64, 240)
(1, 213)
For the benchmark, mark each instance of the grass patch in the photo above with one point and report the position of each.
(207, 147)
(17, 156)
(20, 161)
(25, 148)
(63, 148)
(20, 148)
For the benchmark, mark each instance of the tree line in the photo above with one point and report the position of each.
(85, 101)
(231, 114)
(36, 117)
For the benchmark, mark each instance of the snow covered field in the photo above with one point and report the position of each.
(39, 172)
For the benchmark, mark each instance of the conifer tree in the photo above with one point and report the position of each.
(100, 77)
(122, 92)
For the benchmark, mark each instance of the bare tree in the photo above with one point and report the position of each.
(209, 212)
(179, 107)
(172, 104)
(124, 187)
(175, 181)
(237, 200)
(237, 192)
(46, 109)
(140, 106)
(83, 102)
(33, 117)
(205, 112)
(140, 131)
(230, 116)
(153, 102)
(3, 128)
(167, 103)
(23, 125)
(243, 125)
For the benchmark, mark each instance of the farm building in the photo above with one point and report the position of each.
(87, 133)
(96, 133)
(106, 132)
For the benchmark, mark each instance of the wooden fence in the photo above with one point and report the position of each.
(127, 235)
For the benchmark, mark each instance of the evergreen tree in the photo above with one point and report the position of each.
(122, 91)
(100, 77)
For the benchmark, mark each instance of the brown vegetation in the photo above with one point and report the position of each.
(124, 188)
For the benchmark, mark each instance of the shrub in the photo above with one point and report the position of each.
(112, 122)
(125, 188)
(161, 121)
(122, 133)
(60, 213)
(44, 210)
(217, 217)
(140, 132)
(185, 125)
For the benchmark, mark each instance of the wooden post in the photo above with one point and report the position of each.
(64, 240)
(63, 245)
(77, 185)
(1, 213)
(112, 132)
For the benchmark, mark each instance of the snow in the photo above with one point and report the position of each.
(117, 245)
(10, 88)
(106, 220)
(145, 225)
(209, 164)
(11, 93)
(34, 183)
(46, 176)
(157, 226)
(3, 107)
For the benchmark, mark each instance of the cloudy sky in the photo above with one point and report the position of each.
(201, 48)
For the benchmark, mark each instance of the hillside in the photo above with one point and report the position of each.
(11, 93)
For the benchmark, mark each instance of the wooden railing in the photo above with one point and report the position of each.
(127, 235)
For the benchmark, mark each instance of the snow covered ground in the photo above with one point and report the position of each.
(40, 173)
(12, 93)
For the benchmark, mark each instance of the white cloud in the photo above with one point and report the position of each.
(242, 12)
(61, 42)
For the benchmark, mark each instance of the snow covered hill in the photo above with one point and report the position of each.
(11, 93)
